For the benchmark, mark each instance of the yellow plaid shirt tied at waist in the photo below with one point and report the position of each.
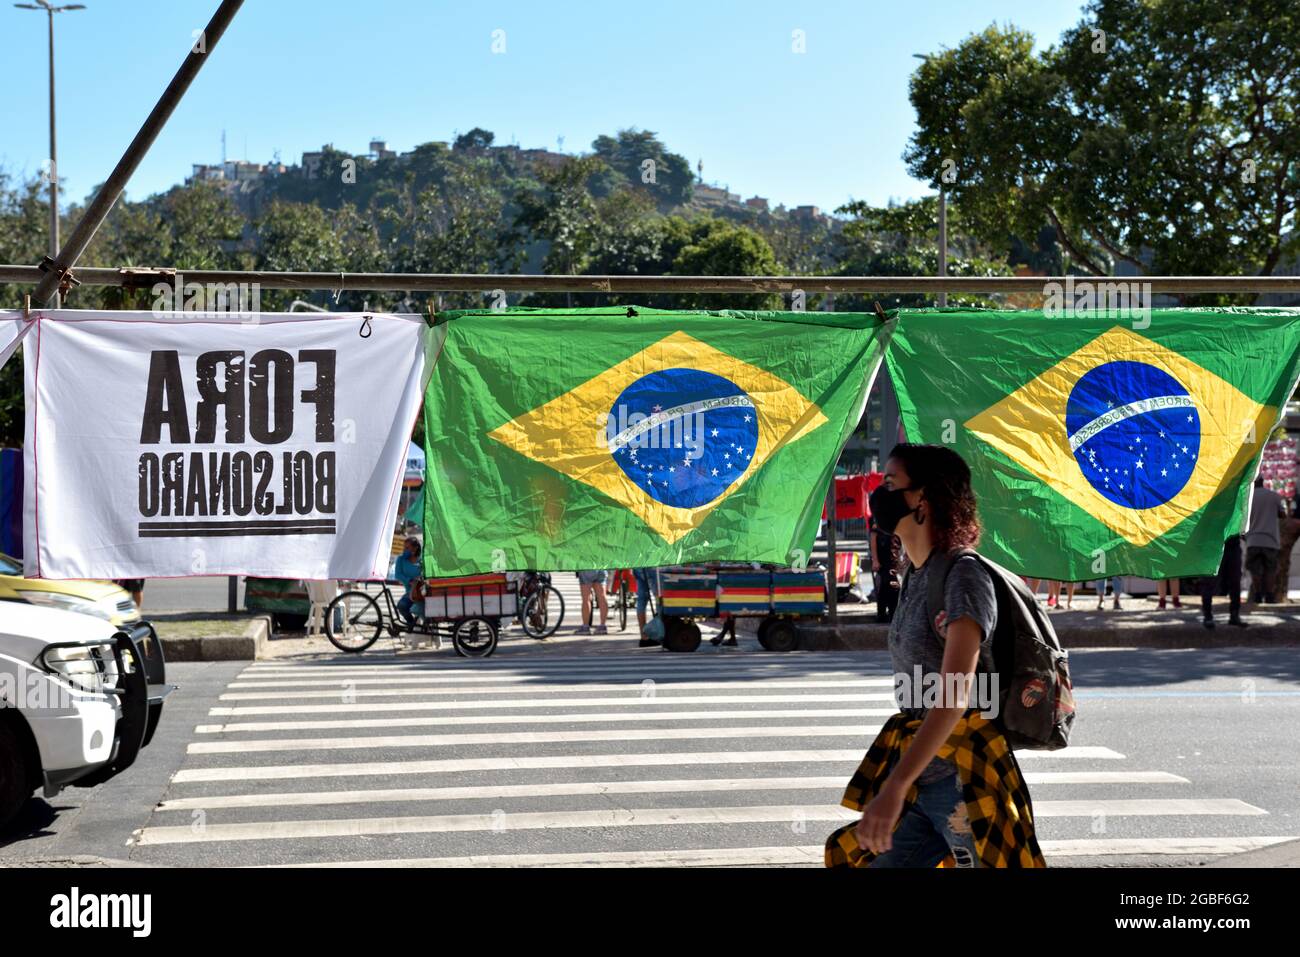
(997, 801)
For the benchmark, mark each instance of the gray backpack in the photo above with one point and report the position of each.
(1036, 700)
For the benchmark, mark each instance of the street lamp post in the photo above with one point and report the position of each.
(50, 10)
(942, 297)
(943, 241)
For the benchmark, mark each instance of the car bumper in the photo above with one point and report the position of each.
(104, 733)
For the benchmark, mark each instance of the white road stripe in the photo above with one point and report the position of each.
(633, 667)
(633, 670)
(503, 704)
(534, 685)
(665, 786)
(631, 693)
(718, 857)
(380, 796)
(1102, 777)
(1145, 807)
(622, 817)
(671, 759)
(719, 714)
(856, 662)
(458, 765)
(526, 737)
(1084, 847)
(808, 855)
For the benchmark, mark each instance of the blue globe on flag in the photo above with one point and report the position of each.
(1135, 431)
(683, 435)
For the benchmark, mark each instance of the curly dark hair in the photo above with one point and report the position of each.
(944, 477)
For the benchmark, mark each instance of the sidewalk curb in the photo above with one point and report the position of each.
(862, 636)
(246, 647)
(1278, 855)
(70, 861)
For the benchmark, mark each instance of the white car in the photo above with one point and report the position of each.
(79, 699)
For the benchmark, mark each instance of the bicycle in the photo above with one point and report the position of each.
(361, 621)
(624, 597)
(541, 606)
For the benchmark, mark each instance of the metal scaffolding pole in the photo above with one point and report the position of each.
(55, 270)
(146, 278)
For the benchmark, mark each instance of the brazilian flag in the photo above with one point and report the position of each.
(1100, 446)
(562, 439)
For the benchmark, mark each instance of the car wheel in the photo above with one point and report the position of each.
(15, 775)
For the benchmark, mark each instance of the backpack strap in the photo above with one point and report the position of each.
(940, 564)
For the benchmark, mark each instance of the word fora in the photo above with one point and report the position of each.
(257, 397)
(266, 406)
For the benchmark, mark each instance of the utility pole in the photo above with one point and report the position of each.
(57, 268)
(942, 298)
(50, 10)
(943, 242)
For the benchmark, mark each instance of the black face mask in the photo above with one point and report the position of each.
(889, 507)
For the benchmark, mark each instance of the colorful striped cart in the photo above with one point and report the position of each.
(729, 592)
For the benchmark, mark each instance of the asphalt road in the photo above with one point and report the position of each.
(628, 757)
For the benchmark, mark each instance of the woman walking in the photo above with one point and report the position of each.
(939, 783)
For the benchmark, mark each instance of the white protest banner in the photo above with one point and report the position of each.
(176, 444)
(12, 329)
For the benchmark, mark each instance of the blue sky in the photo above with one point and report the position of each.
(716, 80)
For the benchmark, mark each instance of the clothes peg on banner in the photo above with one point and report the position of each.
(431, 318)
(880, 312)
(27, 308)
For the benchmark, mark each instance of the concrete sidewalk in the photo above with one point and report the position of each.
(1137, 625)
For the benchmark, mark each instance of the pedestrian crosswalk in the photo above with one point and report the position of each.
(619, 761)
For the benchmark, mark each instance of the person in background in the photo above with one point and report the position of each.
(886, 562)
(1116, 586)
(136, 588)
(1169, 585)
(592, 583)
(1290, 534)
(1053, 595)
(645, 580)
(1263, 541)
(1228, 579)
(406, 571)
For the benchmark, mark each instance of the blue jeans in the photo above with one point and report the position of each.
(404, 605)
(933, 827)
(644, 580)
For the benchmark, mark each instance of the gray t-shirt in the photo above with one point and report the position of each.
(1264, 528)
(913, 644)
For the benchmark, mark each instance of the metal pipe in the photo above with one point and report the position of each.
(54, 153)
(943, 243)
(108, 194)
(832, 559)
(141, 278)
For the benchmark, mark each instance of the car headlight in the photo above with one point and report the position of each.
(100, 609)
(76, 666)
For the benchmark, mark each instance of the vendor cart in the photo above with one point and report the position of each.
(467, 610)
(728, 591)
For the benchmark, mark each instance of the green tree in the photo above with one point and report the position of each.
(717, 248)
(561, 213)
(476, 139)
(902, 240)
(456, 227)
(643, 161)
(1165, 135)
